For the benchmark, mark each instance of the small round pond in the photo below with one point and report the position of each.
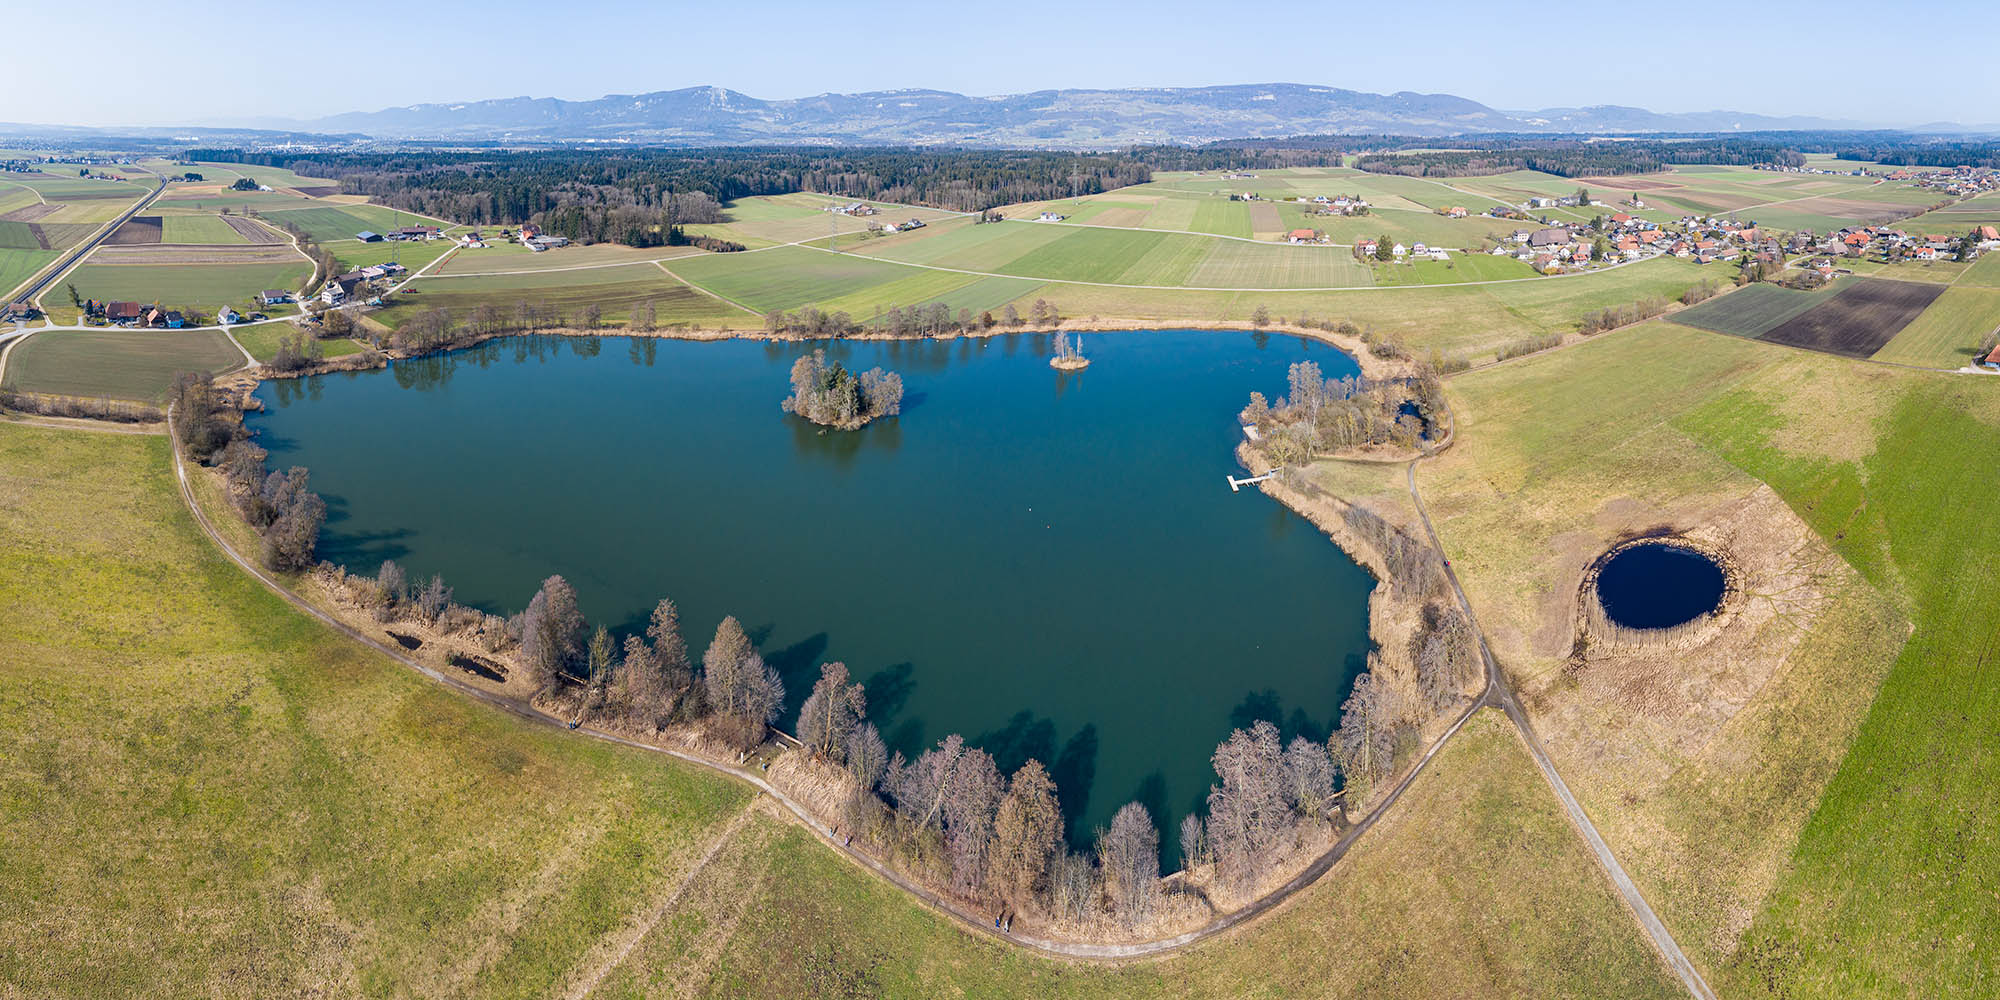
(1048, 563)
(1659, 584)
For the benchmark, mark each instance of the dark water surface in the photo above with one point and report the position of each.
(1049, 563)
(1654, 585)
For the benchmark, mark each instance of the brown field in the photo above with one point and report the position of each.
(318, 192)
(1625, 183)
(1859, 319)
(138, 230)
(1264, 218)
(252, 230)
(1848, 208)
(191, 253)
(28, 213)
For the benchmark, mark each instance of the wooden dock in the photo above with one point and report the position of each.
(1236, 484)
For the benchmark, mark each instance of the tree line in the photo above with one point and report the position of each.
(1319, 415)
(281, 506)
(638, 196)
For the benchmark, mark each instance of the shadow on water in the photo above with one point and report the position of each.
(1266, 706)
(843, 448)
(1075, 771)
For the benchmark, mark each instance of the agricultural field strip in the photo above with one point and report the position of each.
(1214, 288)
(29, 188)
(1196, 232)
(718, 296)
(96, 239)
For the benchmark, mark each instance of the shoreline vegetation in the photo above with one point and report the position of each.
(948, 821)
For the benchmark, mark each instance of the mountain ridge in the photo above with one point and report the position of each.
(1074, 117)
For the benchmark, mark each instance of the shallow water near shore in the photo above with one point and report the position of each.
(1050, 563)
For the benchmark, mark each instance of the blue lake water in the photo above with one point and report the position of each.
(1051, 564)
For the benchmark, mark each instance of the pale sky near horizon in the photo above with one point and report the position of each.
(173, 64)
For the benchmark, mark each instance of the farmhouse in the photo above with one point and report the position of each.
(1992, 360)
(338, 289)
(415, 233)
(1302, 236)
(1049, 217)
(228, 316)
(20, 311)
(1456, 211)
(122, 312)
(1549, 237)
(175, 320)
(272, 297)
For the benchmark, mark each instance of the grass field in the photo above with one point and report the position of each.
(327, 223)
(785, 278)
(17, 266)
(119, 364)
(208, 286)
(1984, 272)
(615, 290)
(341, 825)
(198, 229)
(1748, 312)
(1794, 849)
(262, 341)
(1949, 332)
(511, 257)
(1703, 794)
(1888, 891)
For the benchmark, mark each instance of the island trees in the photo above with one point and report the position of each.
(827, 393)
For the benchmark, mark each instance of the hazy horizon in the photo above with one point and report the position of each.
(214, 63)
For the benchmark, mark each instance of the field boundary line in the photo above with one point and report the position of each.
(718, 296)
(653, 914)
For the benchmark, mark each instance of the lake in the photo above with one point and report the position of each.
(1051, 564)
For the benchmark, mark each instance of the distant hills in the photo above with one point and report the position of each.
(1045, 118)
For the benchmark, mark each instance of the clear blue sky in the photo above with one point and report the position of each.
(114, 62)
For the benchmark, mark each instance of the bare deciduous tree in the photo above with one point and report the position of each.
(1308, 777)
(1027, 830)
(1130, 854)
(551, 632)
(1366, 741)
(831, 712)
(1194, 842)
(1248, 810)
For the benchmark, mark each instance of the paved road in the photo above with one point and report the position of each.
(1498, 693)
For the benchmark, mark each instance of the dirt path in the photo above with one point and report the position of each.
(618, 946)
(1498, 693)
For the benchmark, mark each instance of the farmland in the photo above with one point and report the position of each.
(614, 290)
(1666, 425)
(1750, 311)
(1858, 319)
(291, 785)
(209, 286)
(1855, 320)
(328, 223)
(1949, 332)
(118, 364)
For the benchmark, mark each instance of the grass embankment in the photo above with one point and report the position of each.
(1474, 886)
(208, 794)
(1787, 832)
(224, 798)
